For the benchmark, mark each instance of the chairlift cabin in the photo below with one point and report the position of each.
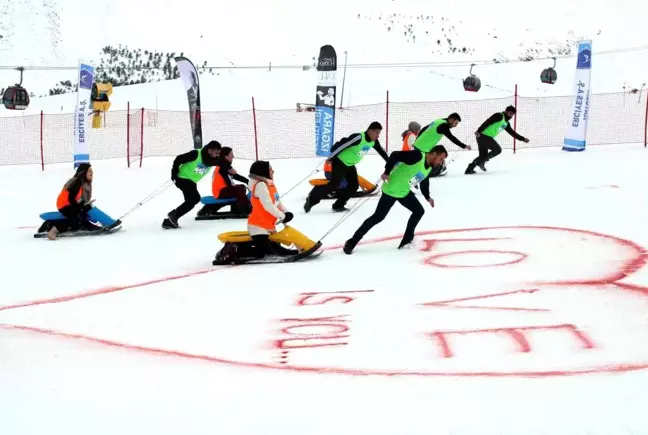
(472, 83)
(16, 97)
(549, 75)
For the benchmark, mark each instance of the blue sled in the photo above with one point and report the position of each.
(95, 215)
(210, 200)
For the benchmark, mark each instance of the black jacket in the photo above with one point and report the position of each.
(409, 158)
(355, 139)
(444, 129)
(193, 155)
(223, 170)
(497, 117)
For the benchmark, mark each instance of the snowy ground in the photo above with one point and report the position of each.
(529, 318)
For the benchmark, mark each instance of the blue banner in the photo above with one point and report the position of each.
(325, 101)
(324, 130)
(576, 136)
(82, 114)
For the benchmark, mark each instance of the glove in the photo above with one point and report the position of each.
(288, 217)
(87, 206)
(174, 176)
(526, 140)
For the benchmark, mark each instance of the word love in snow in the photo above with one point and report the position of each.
(498, 320)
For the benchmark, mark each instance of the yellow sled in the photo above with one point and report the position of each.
(288, 236)
(363, 182)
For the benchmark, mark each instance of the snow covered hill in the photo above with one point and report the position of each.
(284, 32)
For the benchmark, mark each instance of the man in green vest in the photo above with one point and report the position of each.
(486, 133)
(404, 170)
(345, 154)
(187, 170)
(434, 132)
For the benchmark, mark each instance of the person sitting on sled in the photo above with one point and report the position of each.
(224, 188)
(267, 210)
(75, 202)
(366, 187)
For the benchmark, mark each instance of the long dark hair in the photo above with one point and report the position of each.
(224, 152)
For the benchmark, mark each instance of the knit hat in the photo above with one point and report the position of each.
(260, 168)
(414, 127)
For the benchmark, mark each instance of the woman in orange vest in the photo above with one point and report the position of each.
(74, 202)
(267, 211)
(222, 185)
(409, 135)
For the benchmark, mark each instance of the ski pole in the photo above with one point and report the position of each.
(314, 171)
(153, 194)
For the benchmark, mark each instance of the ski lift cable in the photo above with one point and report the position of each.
(441, 64)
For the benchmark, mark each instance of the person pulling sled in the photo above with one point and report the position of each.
(187, 170)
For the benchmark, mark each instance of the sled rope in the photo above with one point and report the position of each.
(152, 195)
(313, 172)
(356, 206)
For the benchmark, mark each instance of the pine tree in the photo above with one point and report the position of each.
(121, 66)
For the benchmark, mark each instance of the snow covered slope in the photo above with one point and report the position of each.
(285, 32)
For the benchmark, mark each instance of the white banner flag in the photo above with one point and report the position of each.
(82, 114)
(576, 136)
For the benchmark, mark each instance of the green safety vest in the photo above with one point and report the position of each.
(195, 170)
(354, 154)
(430, 137)
(495, 129)
(403, 177)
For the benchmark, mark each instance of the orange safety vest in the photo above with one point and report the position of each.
(217, 183)
(328, 167)
(260, 217)
(406, 146)
(63, 199)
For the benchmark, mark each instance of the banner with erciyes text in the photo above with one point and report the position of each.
(82, 114)
(576, 136)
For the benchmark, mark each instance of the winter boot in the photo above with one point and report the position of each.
(113, 225)
(349, 246)
(308, 204)
(405, 242)
(170, 222)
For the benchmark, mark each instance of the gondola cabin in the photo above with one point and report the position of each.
(15, 98)
(472, 83)
(548, 76)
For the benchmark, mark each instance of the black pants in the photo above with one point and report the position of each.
(191, 195)
(385, 204)
(237, 192)
(75, 220)
(488, 148)
(264, 246)
(339, 172)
